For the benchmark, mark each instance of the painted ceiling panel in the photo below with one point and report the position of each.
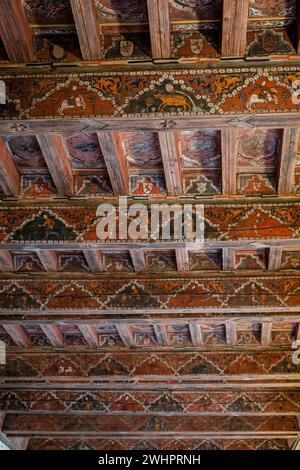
(48, 11)
(85, 151)
(141, 149)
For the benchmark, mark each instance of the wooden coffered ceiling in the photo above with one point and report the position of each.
(150, 345)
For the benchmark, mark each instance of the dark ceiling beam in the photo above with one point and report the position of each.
(58, 161)
(15, 31)
(159, 25)
(86, 21)
(234, 27)
(9, 174)
(18, 335)
(171, 162)
(54, 335)
(229, 146)
(115, 160)
(287, 161)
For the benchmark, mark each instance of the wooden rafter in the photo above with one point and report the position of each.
(161, 334)
(48, 259)
(228, 259)
(15, 31)
(182, 259)
(229, 144)
(115, 160)
(231, 334)
(86, 21)
(9, 174)
(138, 260)
(53, 334)
(90, 335)
(159, 25)
(266, 333)
(171, 162)
(6, 261)
(287, 161)
(125, 334)
(275, 258)
(234, 27)
(196, 334)
(58, 162)
(18, 335)
(94, 260)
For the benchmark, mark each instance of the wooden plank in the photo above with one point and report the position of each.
(18, 334)
(196, 334)
(275, 258)
(287, 161)
(161, 333)
(115, 160)
(89, 334)
(48, 259)
(9, 174)
(231, 334)
(94, 260)
(182, 259)
(159, 25)
(228, 259)
(86, 21)
(126, 335)
(58, 162)
(138, 260)
(234, 27)
(21, 443)
(171, 162)
(229, 145)
(15, 31)
(266, 334)
(6, 261)
(53, 334)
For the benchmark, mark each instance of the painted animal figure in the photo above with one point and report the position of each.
(71, 103)
(177, 101)
(263, 97)
(225, 83)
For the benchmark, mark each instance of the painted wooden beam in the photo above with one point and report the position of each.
(54, 335)
(229, 146)
(6, 261)
(138, 260)
(126, 335)
(266, 334)
(275, 258)
(287, 161)
(182, 259)
(89, 334)
(196, 334)
(18, 334)
(171, 162)
(159, 25)
(228, 259)
(231, 334)
(87, 26)
(234, 27)
(48, 259)
(115, 160)
(94, 260)
(15, 31)
(9, 174)
(58, 162)
(161, 334)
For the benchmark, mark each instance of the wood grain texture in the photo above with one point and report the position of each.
(54, 335)
(85, 16)
(90, 334)
(234, 27)
(171, 163)
(18, 335)
(48, 259)
(9, 174)
(15, 31)
(6, 261)
(115, 160)
(275, 258)
(229, 146)
(159, 25)
(58, 162)
(94, 260)
(287, 161)
(138, 260)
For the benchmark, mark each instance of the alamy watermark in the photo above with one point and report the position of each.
(140, 222)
